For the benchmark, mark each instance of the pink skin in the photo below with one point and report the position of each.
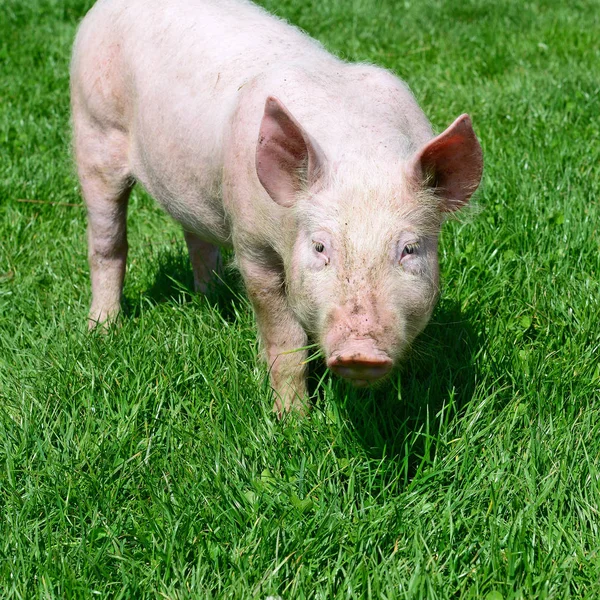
(323, 176)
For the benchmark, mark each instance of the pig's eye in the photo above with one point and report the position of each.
(409, 249)
(321, 250)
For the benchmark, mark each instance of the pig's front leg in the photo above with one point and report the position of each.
(283, 338)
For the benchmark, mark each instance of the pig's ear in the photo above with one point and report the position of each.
(451, 164)
(286, 158)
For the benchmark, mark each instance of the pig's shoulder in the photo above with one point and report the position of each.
(393, 97)
(379, 78)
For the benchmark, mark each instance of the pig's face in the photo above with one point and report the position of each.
(362, 271)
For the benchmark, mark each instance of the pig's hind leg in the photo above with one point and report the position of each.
(106, 182)
(205, 258)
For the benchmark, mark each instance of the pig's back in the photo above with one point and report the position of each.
(188, 52)
(175, 74)
(170, 75)
(184, 65)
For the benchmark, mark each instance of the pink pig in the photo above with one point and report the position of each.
(324, 176)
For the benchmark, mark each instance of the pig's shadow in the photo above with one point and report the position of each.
(396, 421)
(174, 282)
(402, 419)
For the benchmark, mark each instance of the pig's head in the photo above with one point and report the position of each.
(362, 270)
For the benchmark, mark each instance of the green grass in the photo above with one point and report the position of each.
(147, 463)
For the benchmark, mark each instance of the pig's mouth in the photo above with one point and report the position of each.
(361, 363)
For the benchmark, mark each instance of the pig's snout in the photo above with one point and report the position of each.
(360, 362)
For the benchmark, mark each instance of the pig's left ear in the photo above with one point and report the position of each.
(286, 157)
(451, 164)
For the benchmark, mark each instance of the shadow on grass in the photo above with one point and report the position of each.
(174, 282)
(401, 419)
(404, 418)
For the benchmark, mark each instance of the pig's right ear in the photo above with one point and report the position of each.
(451, 164)
(287, 159)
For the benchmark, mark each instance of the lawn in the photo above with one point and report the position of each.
(147, 463)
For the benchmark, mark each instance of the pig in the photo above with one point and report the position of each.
(324, 176)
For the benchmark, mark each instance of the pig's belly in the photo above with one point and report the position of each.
(187, 185)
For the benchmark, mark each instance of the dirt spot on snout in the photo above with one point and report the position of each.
(357, 309)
